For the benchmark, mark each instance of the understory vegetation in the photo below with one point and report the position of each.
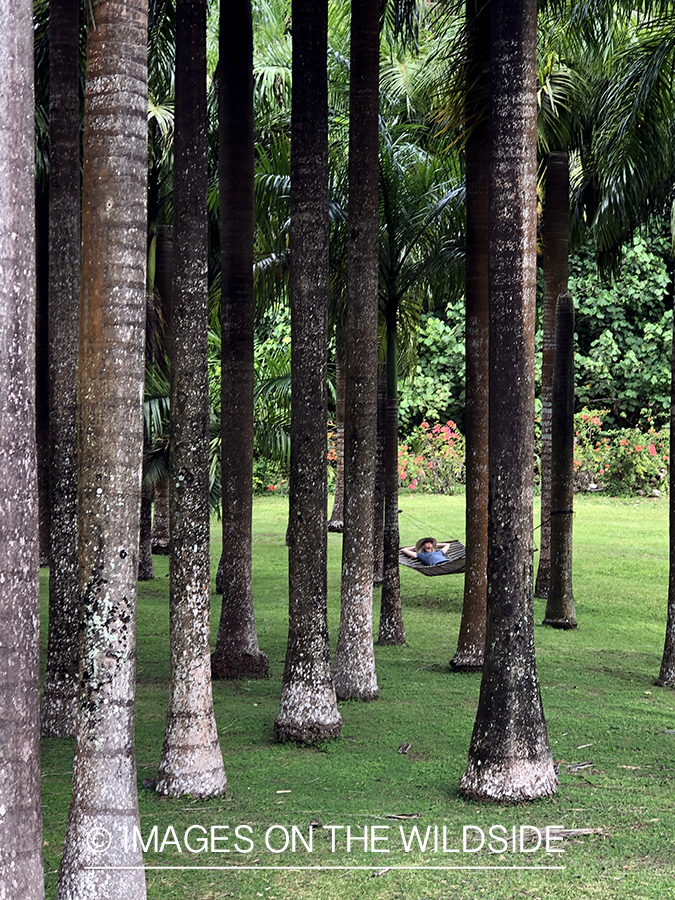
(612, 733)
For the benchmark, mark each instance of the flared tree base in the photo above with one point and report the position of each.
(467, 661)
(244, 665)
(345, 689)
(391, 632)
(565, 624)
(336, 526)
(308, 713)
(509, 782)
(184, 780)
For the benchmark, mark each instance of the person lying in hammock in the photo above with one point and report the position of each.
(428, 551)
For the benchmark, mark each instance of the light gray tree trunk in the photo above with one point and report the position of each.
(110, 393)
(59, 701)
(21, 871)
(354, 668)
(160, 520)
(509, 756)
(308, 709)
(191, 760)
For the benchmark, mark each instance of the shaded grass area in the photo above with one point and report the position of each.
(601, 704)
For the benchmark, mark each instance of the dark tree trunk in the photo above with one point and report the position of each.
(164, 263)
(146, 569)
(509, 756)
(560, 611)
(59, 702)
(160, 521)
(556, 256)
(391, 629)
(667, 673)
(237, 654)
(21, 871)
(110, 452)
(42, 367)
(308, 709)
(471, 642)
(378, 497)
(191, 760)
(336, 521)
(354, 669)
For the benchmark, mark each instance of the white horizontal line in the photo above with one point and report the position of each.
(379, 868)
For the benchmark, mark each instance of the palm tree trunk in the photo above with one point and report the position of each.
(21, 869)
(191, 761)
(160, 521)
(308, 709)
(336, 521)
(509, 756)
(560, 611)
(112, 353)
(354, 668)
(471, 642)
(237, 654)
(667, 672)
(59, 702)
(391, 629)
(556, 256)
(378, 497)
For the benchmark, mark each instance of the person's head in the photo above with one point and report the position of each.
(426, 545)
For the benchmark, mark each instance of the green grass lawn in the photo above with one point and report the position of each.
(601, 704)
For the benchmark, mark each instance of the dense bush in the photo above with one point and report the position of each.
(618, 460)
(432, 459)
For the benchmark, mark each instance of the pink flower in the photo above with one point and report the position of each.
(431, 464)
(652, 450)
(271, 487)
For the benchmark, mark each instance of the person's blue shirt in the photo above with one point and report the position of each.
(433, 558)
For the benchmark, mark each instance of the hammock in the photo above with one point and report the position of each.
(455, 558)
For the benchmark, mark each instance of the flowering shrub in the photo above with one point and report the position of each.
(432, 459)
(619, 460)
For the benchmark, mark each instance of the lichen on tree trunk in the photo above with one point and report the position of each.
(509, 756)
(308, 709)
(104, 804)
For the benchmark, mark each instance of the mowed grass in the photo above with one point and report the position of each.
(601, 705)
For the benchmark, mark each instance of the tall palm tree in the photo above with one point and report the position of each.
(509, 756)
(59, 702)
(308, 709)
(191, 762)
(21, 870)
(237, 653)
(471, 640)
(112, 350)
(354, 668)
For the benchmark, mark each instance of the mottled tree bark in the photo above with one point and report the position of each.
(236, 654)
(336, 521)
(560, 612)
(308, 709)
(191, 761)
(354, 668)
(471, 641)
(378, 496)
(21, 871)
(59, 701)
(110, 449)
(509, 756)
(556, 258)
(160, 520)
(667, 672)
(42, 365)
(146, 569)
(391, 629)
